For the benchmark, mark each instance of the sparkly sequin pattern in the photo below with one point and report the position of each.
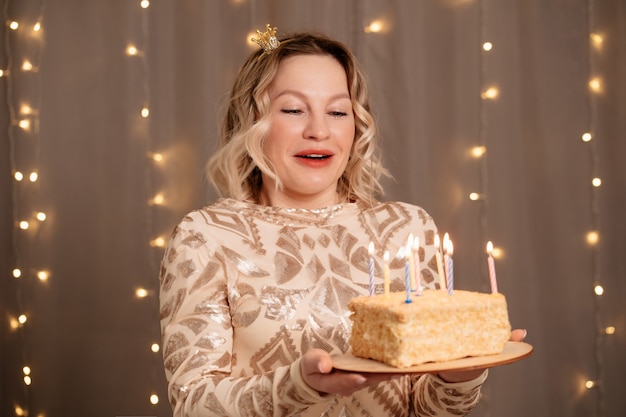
(247, 289)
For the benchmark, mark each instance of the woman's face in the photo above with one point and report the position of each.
(311, 133)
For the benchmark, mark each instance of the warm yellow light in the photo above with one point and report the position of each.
(590, 384)
(593, 237)
(24, 225)
(33, 177)
(586, 137)
(37, 27)
(131, 50)
(154, 399)
(144, 4)
(1, 73)
(158, 200)
(26, 109)
(24, 124)
(41, 216)
(159, 242)
(19, 411)
(26, 370)
(598, 289)
(141, 293)
(22, 319)
(490, 93)
(13, 25)
(27, 65)
(145, 112)
(17, 273)
(157, 157)
(375, 27)
(474, 196)
(27, 380)
(13, 323)
(478, 151)
(18, 176)
(497, 253)
(43, 275)
(155, 347)
(596, 182)
(487, 46)
(609, 330)
(595, 84)
(249, 40)
(596, 40)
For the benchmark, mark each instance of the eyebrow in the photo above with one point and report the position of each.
(302, 95)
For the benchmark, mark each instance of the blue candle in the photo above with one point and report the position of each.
(407, 273)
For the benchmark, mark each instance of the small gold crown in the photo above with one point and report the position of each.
(267, 40)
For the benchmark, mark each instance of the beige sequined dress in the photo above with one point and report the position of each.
(246, 289)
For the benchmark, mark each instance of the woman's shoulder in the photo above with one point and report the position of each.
(400, 208)
(221, 210)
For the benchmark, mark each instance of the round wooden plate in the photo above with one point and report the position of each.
(513, 352)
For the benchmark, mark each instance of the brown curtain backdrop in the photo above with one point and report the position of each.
(88, 337)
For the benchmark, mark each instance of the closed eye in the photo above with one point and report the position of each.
(338, 114)
(291, 111)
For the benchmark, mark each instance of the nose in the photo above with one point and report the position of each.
(317, 127)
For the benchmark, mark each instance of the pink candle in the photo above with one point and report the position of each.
(370, 250)
(448, 251)
(492, 268)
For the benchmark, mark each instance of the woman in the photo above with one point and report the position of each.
(254, 288)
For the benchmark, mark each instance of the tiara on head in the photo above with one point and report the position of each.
(267, 40)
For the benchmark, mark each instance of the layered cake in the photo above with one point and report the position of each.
(433, 327)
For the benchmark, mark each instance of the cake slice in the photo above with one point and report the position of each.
(434, 327)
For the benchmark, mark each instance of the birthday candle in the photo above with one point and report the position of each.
(386, 278)
(370, 250)
(492, 268)
(411, 260)
(403, 253)
(442, 277)
(449, 250)
(417, 268)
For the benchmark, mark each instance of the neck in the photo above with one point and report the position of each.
(280, 199)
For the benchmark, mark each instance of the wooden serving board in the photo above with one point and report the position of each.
(513, 352)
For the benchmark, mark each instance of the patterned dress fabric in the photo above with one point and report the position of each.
(247, 289)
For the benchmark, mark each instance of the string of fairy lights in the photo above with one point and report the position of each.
(596, 87)
(23, 48)
(147, 289)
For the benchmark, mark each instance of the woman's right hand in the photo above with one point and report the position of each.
(317, 371)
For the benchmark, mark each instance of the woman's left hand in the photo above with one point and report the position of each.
(517, 335)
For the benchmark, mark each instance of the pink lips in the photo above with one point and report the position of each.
(314, 157)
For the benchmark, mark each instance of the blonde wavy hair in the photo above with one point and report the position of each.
(235, 168)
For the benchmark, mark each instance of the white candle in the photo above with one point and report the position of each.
(386, 278)
(492, 268)
(442, 278)
(411, 259)
(370, 250)
(417, 268)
